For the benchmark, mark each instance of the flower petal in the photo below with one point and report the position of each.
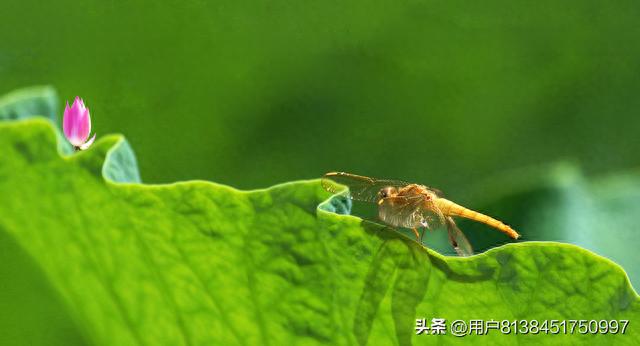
(86, 145)
(76, 123)
(84, 125)
(78, 104)
(67, 121)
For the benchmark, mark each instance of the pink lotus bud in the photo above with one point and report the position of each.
(76, 125)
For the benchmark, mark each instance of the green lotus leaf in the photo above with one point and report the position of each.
(202, 263)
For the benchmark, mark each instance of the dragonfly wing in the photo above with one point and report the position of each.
(433, 215)
(436, 191)
(457, 239)
(410, 212)
(361, 188)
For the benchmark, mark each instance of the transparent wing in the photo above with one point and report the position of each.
(361, 188)
(457, 239)
(410, 212)
(436, 191)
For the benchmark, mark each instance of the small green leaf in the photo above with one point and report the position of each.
(205, 264)
(35, 101)
(120, 164)
(28, 102)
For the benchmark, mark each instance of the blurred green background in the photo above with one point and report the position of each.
(473, 98)
(253, 93)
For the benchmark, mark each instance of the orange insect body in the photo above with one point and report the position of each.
(413, 206)
(452, 209)
(449, 208)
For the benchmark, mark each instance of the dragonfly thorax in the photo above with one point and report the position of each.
(416, 190)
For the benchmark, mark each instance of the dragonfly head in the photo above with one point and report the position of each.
(386, 192)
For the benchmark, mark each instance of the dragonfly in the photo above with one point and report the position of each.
(414, 206)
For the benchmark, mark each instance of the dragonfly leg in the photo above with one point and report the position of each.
(415, 231)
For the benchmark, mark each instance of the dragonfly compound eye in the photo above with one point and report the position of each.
(388, 191)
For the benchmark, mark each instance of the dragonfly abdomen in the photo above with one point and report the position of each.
(452, 209)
